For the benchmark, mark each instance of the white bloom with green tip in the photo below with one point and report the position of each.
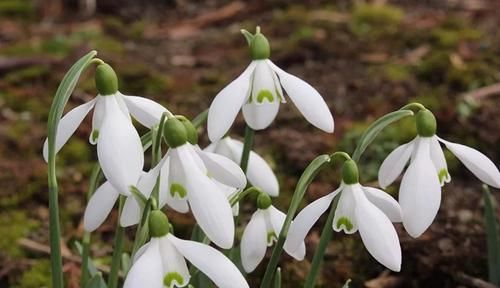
(367, 210)
(119, 148)
(259, 173)
(258, 93)
(420, 190)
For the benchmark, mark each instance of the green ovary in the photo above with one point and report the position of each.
(169, 279)
(176, 188)
(263, 95)
(346, 222)
(443, 175)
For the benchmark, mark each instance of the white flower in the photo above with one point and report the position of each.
(105, 196)
(186, 183)
(162, 263)
(257, 91)
(366, 209)
(259, 173)
(119, 147)
(420, 190)
(262, 231)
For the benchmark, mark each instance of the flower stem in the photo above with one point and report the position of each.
(54, 226)
(95, 177)
(414, 106)
(117, 249)
(247, 147)
(326, 236)
(307, 177)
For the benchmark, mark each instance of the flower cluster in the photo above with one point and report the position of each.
(211, 182)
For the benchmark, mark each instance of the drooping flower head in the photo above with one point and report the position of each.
(259, 173)
(258, 92)
(119, 148)
(365, 209)
(261, 232)
(162, 261)
(420, 190)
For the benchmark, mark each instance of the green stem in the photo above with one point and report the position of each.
(414, 106)
(307, 177)
(247, 147)
(326, 236)
(200, 119)
(54, 226)
(492, 243)
(95, 177)
(117, 249)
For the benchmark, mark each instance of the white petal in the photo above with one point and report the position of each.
(119, 148)
(223, 169)
(229, 192)
(147, 270)
(208, 203)
(277, 219)
(305, 220)
(437, 157)
(99, 206)
(378, 233)
(344, 218)
(258, 172)
(306, 99)
(384, 202)
(139, 252)
(394, 164)
(144, 110)
(67, 126)
(476, 162)
(420, 191)
(131, 213)
(211, 262)
(97, 120)
(254, 242)
(260, 116)
(227, 103)
(173, 183)
(175, 270)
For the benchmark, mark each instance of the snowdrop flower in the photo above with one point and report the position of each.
(258, 171)
(189, 179)
(162, 261)
(119, 147)
(367, 210)
(262, 231)
(257, 91)
(420, 190)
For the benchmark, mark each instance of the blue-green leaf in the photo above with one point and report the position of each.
(491, 238)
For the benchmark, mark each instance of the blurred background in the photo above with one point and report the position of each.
(366, 59)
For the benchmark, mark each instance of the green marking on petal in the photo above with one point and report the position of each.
(271, 236)
(176, 188)
(443, 175)
(265, 94)
(169, 279)
(346, 222)
(94, 135)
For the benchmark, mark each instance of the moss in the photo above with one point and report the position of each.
(14, 225)
(75, 151)
(141, 80)
(432, 98)
(434, 67)
(37, 276)
(17, 8)
(449, 38)
(392, 71)
(375, 20)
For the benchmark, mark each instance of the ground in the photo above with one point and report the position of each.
(365, 59)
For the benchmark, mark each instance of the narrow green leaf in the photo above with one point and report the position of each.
(305, 179)
(371, 133)
(96, 282)
(90, 264)
(491, 238)
(277, 278)
(200, 119)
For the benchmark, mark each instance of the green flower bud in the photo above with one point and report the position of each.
(106, 81)
(174, 132)
(426, 123)
(259, 47)
(350, 173)
(192, 133)
(264, 201)
(158, 224)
